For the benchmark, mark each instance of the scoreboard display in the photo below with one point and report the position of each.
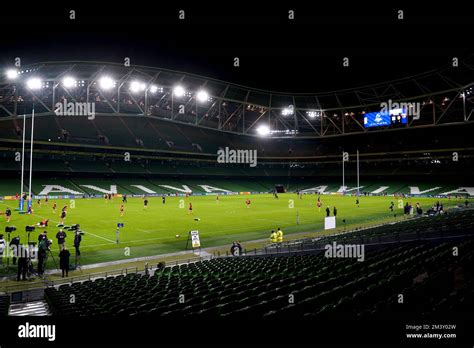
(385, 118)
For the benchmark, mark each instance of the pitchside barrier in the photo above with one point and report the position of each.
(119, 195)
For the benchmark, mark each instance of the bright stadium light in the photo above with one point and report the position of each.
(34, 83)
(179, 91)
(155, 89)
(288, 111)
(263, 130)
(136, 86)
(106, 82)
(12, 74)
(202, 96)
(69, 82)
(313, 113)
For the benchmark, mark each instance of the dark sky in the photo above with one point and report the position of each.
(304, 55)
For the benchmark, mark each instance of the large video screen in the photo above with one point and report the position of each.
(387, 118)
(376, 119)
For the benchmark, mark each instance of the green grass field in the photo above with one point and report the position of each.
(153, 231)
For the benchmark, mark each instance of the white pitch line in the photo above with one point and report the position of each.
(93, 234)
(146, 231)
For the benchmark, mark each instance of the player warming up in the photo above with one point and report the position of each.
(43, 223)
(248, 202)
(8, 214)
(145, 202)
(63, 214)
(54, 207)
(122, 209)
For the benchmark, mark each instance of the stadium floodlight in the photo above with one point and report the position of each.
(12, 74)
(34, 83)
(313, 113)
(136, 86)
(154, 89)
(106, 82)
(288, 111)
(179, 91)
(202, 96)
(263, 130)
(69, 82)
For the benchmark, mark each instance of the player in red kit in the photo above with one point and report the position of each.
(190, 209)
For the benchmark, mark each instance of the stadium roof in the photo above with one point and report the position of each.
(231, 107)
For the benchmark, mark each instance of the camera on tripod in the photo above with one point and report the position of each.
(77, 229)
(9, 229)
(29, 228)
(15, 241)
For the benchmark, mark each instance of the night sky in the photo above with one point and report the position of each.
(303, 55)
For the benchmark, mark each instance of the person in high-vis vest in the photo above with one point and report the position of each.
(273, 237)
(279, 235)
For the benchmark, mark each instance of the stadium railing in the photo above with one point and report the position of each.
(455, 225)
(11, 285)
